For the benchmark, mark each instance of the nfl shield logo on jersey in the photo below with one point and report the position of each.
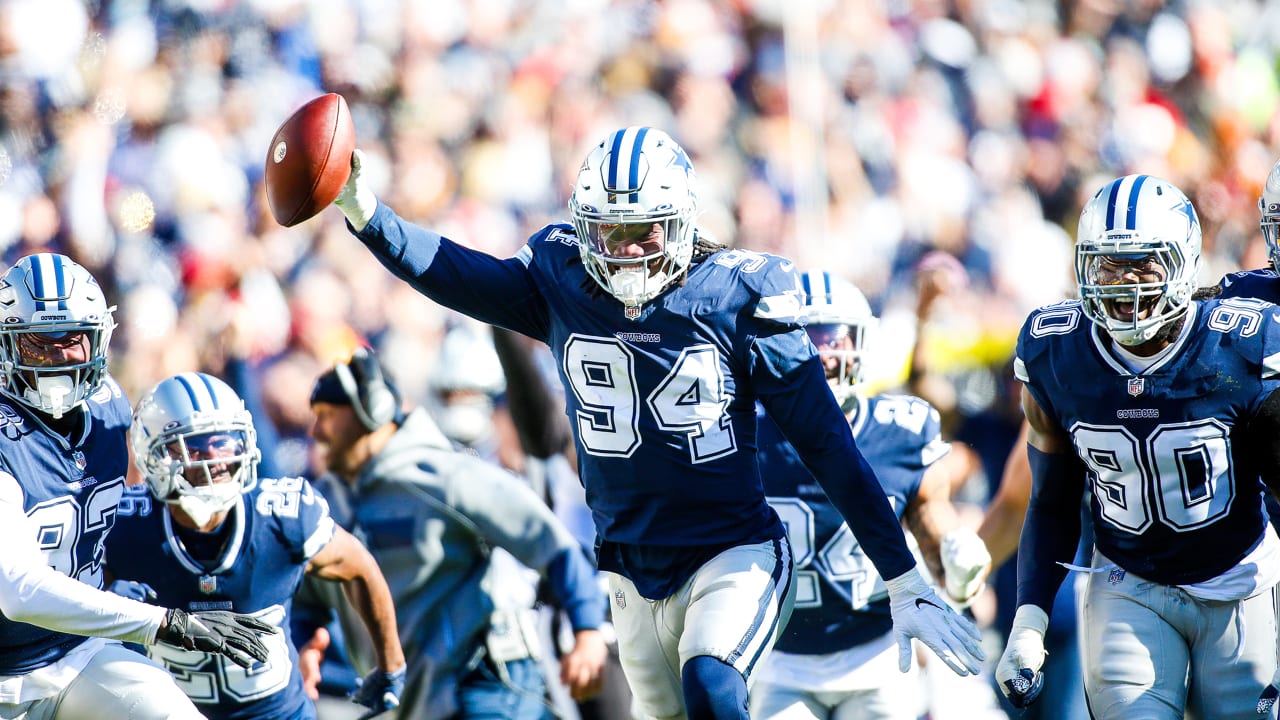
(620, 598)
(1136, 386)
(1116, 576)
(208, 584)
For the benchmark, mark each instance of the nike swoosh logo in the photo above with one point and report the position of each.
(786, 265)
(922, 601)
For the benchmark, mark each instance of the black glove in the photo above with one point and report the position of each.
(226, 633)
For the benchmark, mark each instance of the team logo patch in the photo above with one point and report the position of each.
(1116, 576)
(1136, 386)
(620, 598)
(208, 584)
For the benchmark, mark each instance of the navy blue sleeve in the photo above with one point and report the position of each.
(1051, 531)
(573, 585)
(493, 291)
(803, 408)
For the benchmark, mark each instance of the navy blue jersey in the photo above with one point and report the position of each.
(70, 492)
(841, 601)
(1259, 284)
(1176, 494)
(662, 406)
(275, 531)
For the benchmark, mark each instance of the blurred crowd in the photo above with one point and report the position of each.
(856, 136)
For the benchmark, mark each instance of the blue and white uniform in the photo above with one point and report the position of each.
(662, 406)
(58, 502)
(1183, 550)
(256, 561)
(841, 621)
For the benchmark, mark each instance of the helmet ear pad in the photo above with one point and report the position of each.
(373, 399)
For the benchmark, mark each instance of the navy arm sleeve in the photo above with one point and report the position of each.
(806, 412)
(1051, 531)
(573, 586)
(493, 291)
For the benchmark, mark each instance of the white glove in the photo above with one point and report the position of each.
(918, 612)
(1018, 672)
(965, 562)
(356, 200)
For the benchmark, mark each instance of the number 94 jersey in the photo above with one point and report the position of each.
(275, 530)
(841, 601)
(1176, 490)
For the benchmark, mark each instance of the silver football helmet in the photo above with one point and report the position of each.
(637, 178)
(188, 433)
(1137, 217)
(836, 309)
(1269, 207)
(55, 327)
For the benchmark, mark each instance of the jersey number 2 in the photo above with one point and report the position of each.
(691, 399)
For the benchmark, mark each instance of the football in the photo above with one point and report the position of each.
(309, 159)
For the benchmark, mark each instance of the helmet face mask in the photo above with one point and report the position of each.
(195, 444)
(1269, 222)
(1137, 257)
(55, 327)
(840, 325)
(633, 207)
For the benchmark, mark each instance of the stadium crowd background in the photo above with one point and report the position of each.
(856, 136)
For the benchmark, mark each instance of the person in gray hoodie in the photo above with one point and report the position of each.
(431, 516)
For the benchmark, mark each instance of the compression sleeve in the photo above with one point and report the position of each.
(34, 593)
(1265, 425)
(1051, 530)
(806, 412)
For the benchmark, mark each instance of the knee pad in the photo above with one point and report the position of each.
(713, 690)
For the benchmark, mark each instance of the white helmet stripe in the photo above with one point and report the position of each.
(624, 161)
(199, 391)
(1122, 207)
(49, 292)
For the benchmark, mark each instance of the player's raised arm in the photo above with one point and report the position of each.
(492, 290)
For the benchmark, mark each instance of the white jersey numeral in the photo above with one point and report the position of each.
(1185, 468)
(841, 559)
(690, 400)
(61, 522)
(226, 680)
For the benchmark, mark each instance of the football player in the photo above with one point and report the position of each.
(665, 341)
(1167, 408)
(217, 536)
(836, 657)
(63, 457)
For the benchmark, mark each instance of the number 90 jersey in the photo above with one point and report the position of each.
(274, 532)
(1176, 490)
(841, 601)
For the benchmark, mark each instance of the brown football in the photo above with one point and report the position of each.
(310, 159)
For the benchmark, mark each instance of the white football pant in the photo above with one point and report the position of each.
(733, 608)
(862, 683)
(1145, 643)
(97, 680)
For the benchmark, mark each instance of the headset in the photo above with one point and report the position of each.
(374, 400)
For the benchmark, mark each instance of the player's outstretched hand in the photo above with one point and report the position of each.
(919, 613)
(1270, 694)
(356, 200)
(225, 633)
(1018, 672)
(965, 564)
(379, 691)
(139, 591)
